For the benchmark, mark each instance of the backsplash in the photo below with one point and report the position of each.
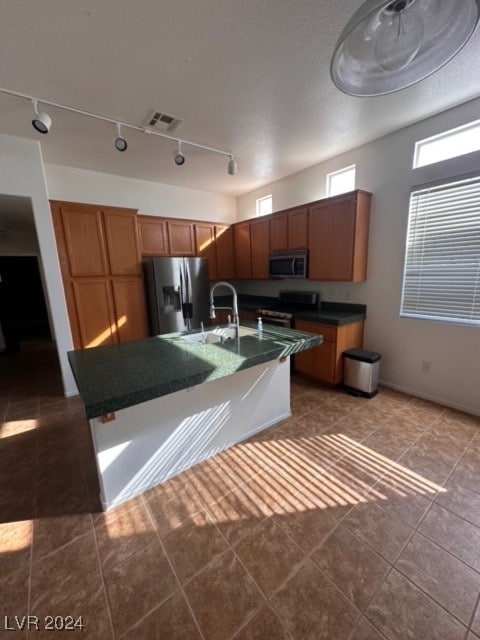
(345, 292)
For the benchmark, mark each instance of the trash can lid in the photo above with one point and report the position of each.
(363, 355)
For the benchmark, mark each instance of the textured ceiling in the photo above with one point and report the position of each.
(247, 76)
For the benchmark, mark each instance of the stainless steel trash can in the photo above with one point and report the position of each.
(360, 372)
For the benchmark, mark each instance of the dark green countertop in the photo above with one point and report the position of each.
(118, 376)
(333, 313)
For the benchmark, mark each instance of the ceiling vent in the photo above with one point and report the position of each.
(159, 121)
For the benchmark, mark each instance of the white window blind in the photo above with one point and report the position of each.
(442, 260)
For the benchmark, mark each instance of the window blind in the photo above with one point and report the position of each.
(442, 259)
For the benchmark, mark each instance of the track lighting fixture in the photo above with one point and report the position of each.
(232, 166)
(179, 158)
(41, 121)
(120, 142)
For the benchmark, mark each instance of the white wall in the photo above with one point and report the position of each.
(21, 174)
(150, 198)
(384, 168)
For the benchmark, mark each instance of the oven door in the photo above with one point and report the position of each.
(279, 322)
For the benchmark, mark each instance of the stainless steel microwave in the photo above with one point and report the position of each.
(288, 264)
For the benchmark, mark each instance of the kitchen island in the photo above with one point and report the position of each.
(161, 405)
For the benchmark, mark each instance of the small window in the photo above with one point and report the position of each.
(341, 181)
(441, 278)
(264, 205)
(448, 144)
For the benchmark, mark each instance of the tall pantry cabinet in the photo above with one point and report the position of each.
(101, 268)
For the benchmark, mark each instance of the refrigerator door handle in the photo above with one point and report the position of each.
(189, 293)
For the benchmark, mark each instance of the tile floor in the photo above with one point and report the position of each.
(354, 520)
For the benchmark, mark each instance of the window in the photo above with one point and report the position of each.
(264, 205)
(442, 261)
(341, 181)
(448, 144)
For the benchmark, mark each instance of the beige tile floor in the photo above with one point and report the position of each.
(354, 520)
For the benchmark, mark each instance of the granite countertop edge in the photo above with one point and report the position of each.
(102, 393)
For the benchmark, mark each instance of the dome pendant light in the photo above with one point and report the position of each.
(387, 46)
(41, 121)
(120, 142)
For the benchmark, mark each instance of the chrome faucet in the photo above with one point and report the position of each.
(234, 310)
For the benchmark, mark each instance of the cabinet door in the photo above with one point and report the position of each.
(95, 312)
(247, 316)
(279, 232)
(331, 234)
(298, 229)
(319, 362)
(260, 243)
(122, 242)
(224, 246)
(181, 238)
(243, 250)
(130, 308)
(205, 244)
(153, 236)
(84, 238)
(338, 238)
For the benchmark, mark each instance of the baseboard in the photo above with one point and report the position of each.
(426, 396)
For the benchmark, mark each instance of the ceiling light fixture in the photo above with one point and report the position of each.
(179, 158)
(387, 46)
(42, 123)
(120, 142)
(232, 166)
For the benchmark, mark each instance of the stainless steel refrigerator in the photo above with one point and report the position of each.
(178, 294)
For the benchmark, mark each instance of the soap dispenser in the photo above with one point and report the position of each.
(259, 326)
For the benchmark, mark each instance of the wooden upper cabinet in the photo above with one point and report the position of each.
(289, 229)
(243, 250)
(260, 247)
(122, 242)
(338, 234)
(298, 228)
(153, 236)
(279, 232)
(181, 238)
(84, 238)
(130, 308)
(225, 256)
(205, 245)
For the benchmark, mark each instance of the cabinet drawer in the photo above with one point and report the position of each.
(328, 332)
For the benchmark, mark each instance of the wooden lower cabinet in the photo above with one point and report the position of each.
(94, 311)
(325, 362)
(130, 309)
(106, 311)
(247, 316)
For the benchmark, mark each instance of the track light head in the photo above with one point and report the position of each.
(179, 158)
(41, 121)
(232, 166)
(120, 142)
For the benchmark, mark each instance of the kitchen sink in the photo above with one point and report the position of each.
(219, 334)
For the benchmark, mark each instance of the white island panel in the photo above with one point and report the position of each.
(150, 442)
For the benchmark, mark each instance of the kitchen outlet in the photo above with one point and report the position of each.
(347, 295)
(331, 294)
(426, 366)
